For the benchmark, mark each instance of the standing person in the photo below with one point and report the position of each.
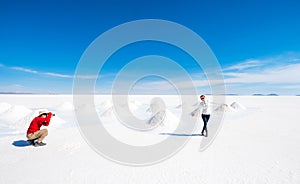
(206, 111)
(34, 132)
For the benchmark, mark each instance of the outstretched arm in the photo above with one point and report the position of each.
(47, 119)
(195, 112)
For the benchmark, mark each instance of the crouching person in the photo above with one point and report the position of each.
(34, 132)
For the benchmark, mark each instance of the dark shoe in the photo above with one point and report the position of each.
(39, 144)
(31, 142)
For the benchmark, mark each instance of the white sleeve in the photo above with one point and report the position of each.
(196, 111)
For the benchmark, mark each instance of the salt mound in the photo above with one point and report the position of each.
(157, 105)
(162, 117)
(108, 113)
(179, 106)
(15, 119)
(134, 105)
(18, 118)
(225, 108)
(166, 121)
(158, 118)
(158, 110)
(237, 106)
(103, 107)
(4, 107)
(183, 105)
(14, 113)
(56, 122)
(106, 104)
(22, 124)
(66, 106)
(186, 105)
(106, 109)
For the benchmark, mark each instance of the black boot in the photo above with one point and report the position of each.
(31, 142)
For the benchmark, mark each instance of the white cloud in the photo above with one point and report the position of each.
(23, 69)
(278, 74)
(70, 76)
(87, 76)
(251, 63)
(51, 74)
(27, 70)
(57, 75)
(291, 87)
(281, 71)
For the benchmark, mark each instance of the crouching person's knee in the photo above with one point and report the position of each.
(45, 132)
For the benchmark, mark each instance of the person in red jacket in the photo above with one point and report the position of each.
(34, 132)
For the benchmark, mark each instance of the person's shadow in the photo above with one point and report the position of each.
(21, 143)
(177, 134)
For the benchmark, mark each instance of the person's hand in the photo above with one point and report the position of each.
(193, 114)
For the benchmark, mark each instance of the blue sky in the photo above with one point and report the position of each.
(255, 42)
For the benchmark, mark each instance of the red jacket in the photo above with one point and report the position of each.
(37, 122)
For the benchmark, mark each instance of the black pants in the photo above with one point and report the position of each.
(205, 118)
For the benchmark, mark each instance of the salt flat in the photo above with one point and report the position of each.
(256, 144)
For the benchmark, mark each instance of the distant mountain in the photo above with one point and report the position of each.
(273, 94)
(14, 93)
(258, 94)
(232, 94)
(25, 93)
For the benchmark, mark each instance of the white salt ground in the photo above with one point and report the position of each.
(257, 144)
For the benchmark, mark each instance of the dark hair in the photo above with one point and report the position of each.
(43, 114)
(202, 96)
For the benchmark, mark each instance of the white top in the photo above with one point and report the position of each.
(205, 106)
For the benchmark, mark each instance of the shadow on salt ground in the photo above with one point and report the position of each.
(21, 143)
(176, 134)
